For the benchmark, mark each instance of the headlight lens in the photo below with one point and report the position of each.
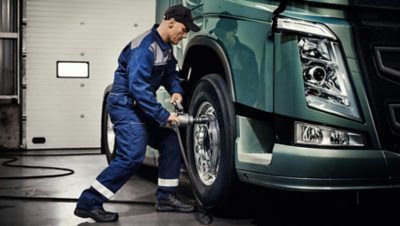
(326, 82)
(326, 136)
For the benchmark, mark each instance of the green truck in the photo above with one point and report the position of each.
(305, 95)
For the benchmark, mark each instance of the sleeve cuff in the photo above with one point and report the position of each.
(162, 118)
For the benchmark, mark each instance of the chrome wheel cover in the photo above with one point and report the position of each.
(206, 144)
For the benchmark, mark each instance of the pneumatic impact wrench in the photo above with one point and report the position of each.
(187, 120)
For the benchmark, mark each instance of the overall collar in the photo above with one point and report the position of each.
(159, 40)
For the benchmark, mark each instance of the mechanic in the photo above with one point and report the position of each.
(144, 65)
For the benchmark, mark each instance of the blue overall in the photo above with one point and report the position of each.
(144, 65)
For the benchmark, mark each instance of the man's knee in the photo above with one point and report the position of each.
(128, 162)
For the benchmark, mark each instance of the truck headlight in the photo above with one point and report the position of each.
(311, 134)
(326, 82)
(327, 85)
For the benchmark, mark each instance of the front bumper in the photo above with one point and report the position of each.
(304, 168)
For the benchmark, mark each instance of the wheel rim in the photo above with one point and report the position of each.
(110, 135)
(206, 144)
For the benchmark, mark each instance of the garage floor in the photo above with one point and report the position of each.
(51, 201)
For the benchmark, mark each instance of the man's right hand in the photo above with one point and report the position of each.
(173, 118)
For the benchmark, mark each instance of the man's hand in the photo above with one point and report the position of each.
(176, 98)
(173, 118)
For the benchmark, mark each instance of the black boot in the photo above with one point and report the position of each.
(172, 204)
(99, 215)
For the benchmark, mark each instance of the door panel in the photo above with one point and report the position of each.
(66, 112)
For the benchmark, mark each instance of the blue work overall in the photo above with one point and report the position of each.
(144, 65)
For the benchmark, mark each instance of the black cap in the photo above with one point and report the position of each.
(181, 14)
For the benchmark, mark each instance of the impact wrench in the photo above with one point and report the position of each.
(187, 120)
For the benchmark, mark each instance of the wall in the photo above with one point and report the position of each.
(67, 111)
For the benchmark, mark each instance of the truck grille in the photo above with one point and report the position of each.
(376, 33)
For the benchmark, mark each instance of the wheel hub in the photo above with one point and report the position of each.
(206, 144)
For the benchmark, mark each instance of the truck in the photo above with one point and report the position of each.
(304, 96)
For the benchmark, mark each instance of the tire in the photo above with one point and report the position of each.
(108, 143)
(210, 147)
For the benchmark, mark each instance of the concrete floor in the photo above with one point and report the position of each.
(51, 201)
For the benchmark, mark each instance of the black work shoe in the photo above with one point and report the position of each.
(172, 204)
(99, 215)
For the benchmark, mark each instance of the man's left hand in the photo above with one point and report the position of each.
(176, 98)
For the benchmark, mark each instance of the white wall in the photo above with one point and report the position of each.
(67, 112)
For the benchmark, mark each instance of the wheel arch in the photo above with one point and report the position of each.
(203, 50)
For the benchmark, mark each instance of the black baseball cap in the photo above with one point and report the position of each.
(181, 14)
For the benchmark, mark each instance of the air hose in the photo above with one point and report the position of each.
(205, 216)
(12, 158)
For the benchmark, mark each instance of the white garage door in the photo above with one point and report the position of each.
(72, 49)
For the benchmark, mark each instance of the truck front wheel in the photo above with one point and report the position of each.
(209, 146)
